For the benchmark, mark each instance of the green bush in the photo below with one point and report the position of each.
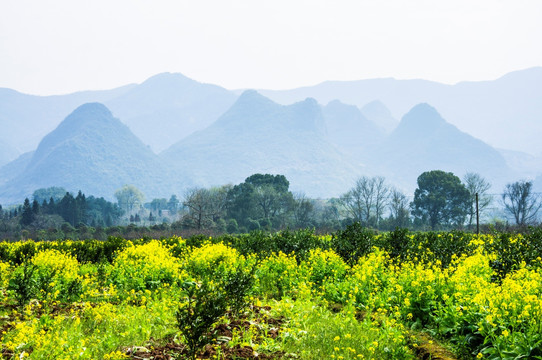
(353, 243)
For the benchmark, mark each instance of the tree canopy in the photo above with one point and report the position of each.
(440, 199)
(129, 198)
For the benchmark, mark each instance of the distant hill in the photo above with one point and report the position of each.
(168, 107)
(379, 114)
(90, 151)
(257, 135)
(505, 113)
(424, 141)
(349, 130)
(161, 111)
(14, 168)
(26, 119)
(7, 153)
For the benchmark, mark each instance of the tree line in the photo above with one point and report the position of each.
(265, 202)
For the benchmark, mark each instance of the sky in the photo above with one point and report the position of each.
(57, 47)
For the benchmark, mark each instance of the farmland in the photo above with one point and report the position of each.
(354, 294)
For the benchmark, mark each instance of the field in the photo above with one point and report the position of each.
(354, 294)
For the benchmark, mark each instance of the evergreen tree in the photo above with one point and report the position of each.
(27, 215)
(35, 208)
(44, 207)
(80, 208)
(66, 209)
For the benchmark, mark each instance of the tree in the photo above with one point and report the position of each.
(173, 204)
(66, 208)
(35, 208)
(205, 206)
(520, 201)
(366, 201)
(158, 204)
(476, 184)
(80, 208)
(54, 192)
(440, 199)
(129, 198)
(27, 216)
(260, 197)
(399, 213)
(381, 197)
(303, 209)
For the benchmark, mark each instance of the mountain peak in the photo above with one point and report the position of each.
(166, 77)
(85, 115)
(252, 99)
(422, 116)
(251, 95)
(309, 105)
(94, 108)
(376, 107)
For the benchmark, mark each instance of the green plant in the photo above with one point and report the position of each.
(204, 305)
(237, 285)
(23, 283)
(353, 243)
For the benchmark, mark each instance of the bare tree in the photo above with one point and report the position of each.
(205, 206)
(367, 199)
(520, 201)
(476, 184)
(381, 196)
(399, 208)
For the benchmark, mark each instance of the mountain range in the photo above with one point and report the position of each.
(506, 113)
(171, 133)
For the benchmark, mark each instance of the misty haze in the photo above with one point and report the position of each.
(243, 180)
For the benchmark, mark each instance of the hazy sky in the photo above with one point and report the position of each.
(53, 47)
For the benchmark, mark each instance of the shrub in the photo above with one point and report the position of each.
(353, 243)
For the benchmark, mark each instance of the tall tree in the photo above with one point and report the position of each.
(260, 197)
(366, 201)
(303, 210)
(67, 209)
(80, 208)
(173, 204)
(158, 204)
(129, 198)
(204, 207)
(381, 197)
(520, 201)
(35, 208)
(440, 199)
(27, 216)
(476, 184)
(399, 212)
